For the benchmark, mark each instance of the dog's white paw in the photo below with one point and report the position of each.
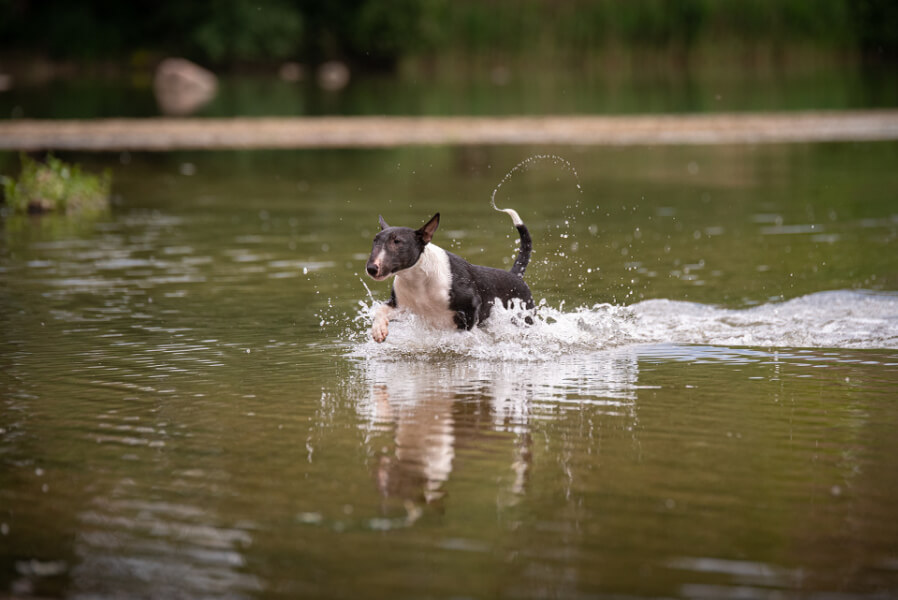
(380, 329)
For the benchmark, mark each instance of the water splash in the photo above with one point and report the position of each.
(558, 247)
(838, 319)
(367, 289)
(528, 163)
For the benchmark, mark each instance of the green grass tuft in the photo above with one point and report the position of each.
(55, 186)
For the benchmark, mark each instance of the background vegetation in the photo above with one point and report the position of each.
(381, 33)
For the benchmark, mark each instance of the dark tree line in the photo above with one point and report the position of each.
(378, 33)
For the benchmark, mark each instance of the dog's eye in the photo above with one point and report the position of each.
(397, 242)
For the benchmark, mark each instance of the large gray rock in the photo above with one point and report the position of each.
(333, 75)
(183, 87)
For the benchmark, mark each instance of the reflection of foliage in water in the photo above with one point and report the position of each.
(19, 231)
(55, 186)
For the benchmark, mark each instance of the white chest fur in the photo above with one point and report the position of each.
(424, 288)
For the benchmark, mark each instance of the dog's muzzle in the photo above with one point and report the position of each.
(375, 272)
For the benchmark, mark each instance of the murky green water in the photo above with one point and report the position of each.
(705, 407)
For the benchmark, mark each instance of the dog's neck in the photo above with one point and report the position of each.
(424, 288)
(431, 264)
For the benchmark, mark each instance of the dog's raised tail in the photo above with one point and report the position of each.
(523, 258)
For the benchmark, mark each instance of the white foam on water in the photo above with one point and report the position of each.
(836, 319)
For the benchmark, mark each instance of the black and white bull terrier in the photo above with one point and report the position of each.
(445, 290)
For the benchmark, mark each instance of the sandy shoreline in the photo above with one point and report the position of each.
(162, 134)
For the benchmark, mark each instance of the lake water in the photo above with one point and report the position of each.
(705, 406)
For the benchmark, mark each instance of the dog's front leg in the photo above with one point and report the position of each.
(380, 328)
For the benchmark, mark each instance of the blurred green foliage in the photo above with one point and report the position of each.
(55, 186)
(379, 33)
(240, 30)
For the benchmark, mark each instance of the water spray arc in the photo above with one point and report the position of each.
(526, 164)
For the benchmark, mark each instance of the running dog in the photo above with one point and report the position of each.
(445, 290)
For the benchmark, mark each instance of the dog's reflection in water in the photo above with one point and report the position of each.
(426, 420)
(424, 439)
(432, 423)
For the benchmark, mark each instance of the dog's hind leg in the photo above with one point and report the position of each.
(469, 317)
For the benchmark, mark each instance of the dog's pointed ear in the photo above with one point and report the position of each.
(426, 232)
(383, 224)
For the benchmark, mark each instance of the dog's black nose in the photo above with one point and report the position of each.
(372, 270)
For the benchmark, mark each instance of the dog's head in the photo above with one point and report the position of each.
(398, 248)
